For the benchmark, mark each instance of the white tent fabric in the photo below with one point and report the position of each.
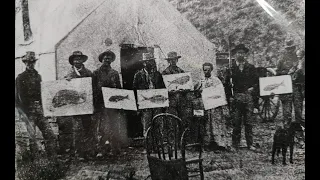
(63, 26)
(50, 21)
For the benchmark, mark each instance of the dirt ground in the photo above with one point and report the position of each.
(244, 165)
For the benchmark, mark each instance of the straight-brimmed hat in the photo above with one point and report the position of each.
(172, 55)
(108, 52)
(290, 44)
(238, 48)
(30, 56)
(77, 54)
(147, 56)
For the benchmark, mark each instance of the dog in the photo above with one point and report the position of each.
(284, 138)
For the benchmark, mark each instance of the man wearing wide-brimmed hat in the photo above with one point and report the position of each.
(148, 78)
(289, 65)
(28, 86)
(298, 85)
(112, 122)
(82, 123)
(78, 70)
(245, 81)
(285, 65)
(180, 102)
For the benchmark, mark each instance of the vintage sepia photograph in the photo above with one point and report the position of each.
(160, 89)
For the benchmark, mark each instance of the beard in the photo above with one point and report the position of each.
(240, 59)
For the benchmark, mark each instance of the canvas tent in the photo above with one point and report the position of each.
(60, 27)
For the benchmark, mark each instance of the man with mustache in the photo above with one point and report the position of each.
(297, 73)
(286, 66)
(180, 102)
(148, 78)
(112, 124)
(82, 123)
(28, 86)
(245, 81)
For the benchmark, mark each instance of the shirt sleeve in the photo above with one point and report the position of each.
(17, 93)
(161, 83)
(279, 67)
(135, 81)
(117, 80)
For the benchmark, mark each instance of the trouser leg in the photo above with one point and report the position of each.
(78, 135)
(34, 149)
(86, 121)
(236, 134)
(298, 103)
(287, 108)
(247, 120)
(146, 118)
(47, 133)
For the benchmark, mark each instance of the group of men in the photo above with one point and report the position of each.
(244, 79)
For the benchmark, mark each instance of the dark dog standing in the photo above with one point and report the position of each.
(284, 138)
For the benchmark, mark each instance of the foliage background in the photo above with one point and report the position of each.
(246, 21)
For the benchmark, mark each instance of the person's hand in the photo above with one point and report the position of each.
(231, 99)
(292, 70)
(272, 95)
(250, 89)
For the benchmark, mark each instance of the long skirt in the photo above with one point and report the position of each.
(216, 128)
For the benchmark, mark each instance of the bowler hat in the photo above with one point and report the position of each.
(239, 47)
(30, 56)
(147, 56)
(108, 52)
(76, 54)
(172, 55)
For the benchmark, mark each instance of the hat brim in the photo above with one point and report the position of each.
(30, 60)
(233, 51)
(177, 57)
(84, 58)
(147, 59)
(289, 47)
(106, 53)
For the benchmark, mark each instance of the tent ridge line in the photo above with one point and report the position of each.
(67, 35)
(78, 24)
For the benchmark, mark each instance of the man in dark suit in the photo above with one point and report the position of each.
(286, 66)
(180, 101)
(148, 78)
(28, 86)
(112, 126)
(245, 81)
(82, 123)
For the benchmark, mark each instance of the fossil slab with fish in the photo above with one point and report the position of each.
(181, 81)
(67, 98)
(213, 97)
(152, 98)
(119, 98)
(275, 85)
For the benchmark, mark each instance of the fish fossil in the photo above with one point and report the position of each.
(118, 98)
(180, 81)
(66, 97)
(158, 99)
(273, 86)
(214, 97)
